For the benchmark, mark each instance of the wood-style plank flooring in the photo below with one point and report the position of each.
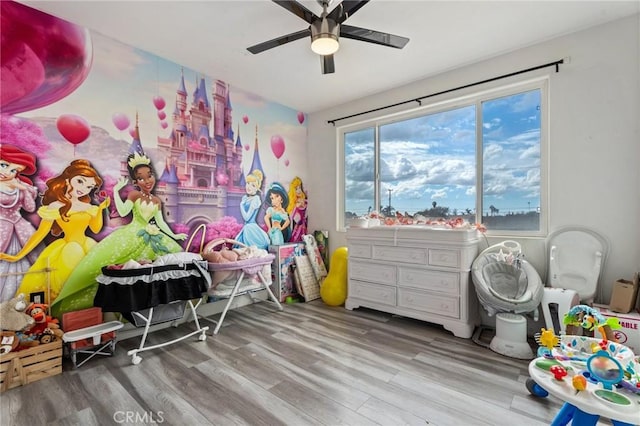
(308, 365)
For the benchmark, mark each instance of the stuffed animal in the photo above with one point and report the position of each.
(45, 326)
(27, 340)
(12, 315)
(8, 342)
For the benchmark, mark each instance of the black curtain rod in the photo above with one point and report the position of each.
(418, 100)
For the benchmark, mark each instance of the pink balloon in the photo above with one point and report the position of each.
(132, 132)
(222, 178)
(286, 162)
(158, 102)
(245, 119)
(277, 146)
(246, 147)
(121, 121)
(43, 60)
(75, 129)
(301, 117)
(164, 124)
(162, 115)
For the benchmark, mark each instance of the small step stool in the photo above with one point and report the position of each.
(85, 333)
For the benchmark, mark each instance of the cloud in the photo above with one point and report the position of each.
(359, 191)
(359, 168)
(247, 99)
(439, 194)
(531, 152)
(525, 101)
(492, 124)
(492, 151)
(124, 60)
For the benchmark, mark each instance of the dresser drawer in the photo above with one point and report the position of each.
(448, 258)
(362, 251)
(373, 292)
(366, 271)
(442, 282)
(428, 302)
(400, 254)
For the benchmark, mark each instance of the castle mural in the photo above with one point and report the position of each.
(203, 178)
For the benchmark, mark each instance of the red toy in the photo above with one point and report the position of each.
(46, 327)
(558, 371)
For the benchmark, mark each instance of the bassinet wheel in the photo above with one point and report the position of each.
(135, 360)
(202, 337)
(535, 389)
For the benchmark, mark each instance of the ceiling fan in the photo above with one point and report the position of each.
(326, 29)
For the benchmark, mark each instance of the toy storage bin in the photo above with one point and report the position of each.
(30, 365)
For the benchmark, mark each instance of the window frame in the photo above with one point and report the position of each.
(442, 104)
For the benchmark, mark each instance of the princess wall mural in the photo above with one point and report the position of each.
(90, 100)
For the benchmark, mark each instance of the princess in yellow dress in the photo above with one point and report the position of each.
(67, 211)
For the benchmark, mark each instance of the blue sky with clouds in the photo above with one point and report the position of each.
(433, 158)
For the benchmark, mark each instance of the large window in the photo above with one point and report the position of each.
(480, 158)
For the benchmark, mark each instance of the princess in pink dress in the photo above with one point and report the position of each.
(297, 210)
(16, 193)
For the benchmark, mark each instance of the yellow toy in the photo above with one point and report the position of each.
(333, 290)
(548, 339)
(579, 383)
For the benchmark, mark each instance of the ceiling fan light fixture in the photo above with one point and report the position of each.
(324, 37)
(325, 44)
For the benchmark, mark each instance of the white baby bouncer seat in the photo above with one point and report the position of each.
(508, 285)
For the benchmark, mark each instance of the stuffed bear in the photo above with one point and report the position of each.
(12, 315)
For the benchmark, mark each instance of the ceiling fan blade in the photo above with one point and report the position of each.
(328, 67)
(261, 47)
(298, 10)
(371, 36)
(345, 9)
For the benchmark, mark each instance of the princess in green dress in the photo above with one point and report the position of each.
(146, 237)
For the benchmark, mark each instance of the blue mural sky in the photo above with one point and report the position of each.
(125, 80)
(432, 158)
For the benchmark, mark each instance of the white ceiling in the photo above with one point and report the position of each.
(211, 37)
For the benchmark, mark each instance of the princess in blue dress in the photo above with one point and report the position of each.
(251, 233)
(277, 218)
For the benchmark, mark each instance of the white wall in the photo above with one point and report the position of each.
(594, 139)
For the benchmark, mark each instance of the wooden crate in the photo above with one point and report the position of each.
(30, 365)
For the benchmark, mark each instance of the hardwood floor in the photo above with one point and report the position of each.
(308, 365)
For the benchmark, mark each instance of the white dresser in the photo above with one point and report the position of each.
(415, 271)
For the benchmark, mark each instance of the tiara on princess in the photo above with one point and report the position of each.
(139, 159)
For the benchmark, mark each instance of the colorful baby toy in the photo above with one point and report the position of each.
(583, 317)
